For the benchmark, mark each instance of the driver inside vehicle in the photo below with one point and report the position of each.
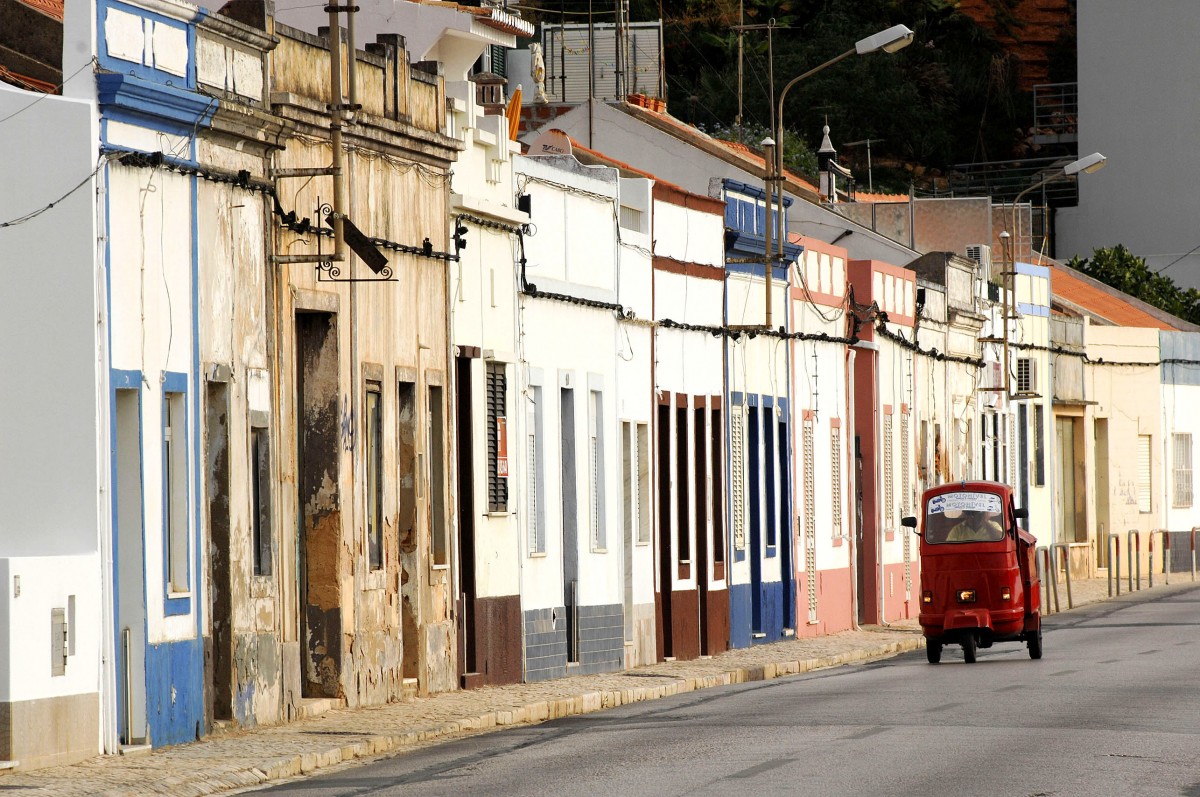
(976, 527)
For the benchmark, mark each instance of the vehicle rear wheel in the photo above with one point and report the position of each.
(933, 652)
(968, 646)
(1035, 644)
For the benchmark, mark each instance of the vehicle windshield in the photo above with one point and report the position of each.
(964, 517)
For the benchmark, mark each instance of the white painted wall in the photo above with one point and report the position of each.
(628, 139)
(1136, 91)
(49, 395)
(151, 213)
(574, 252)
(633, 348)
(1179, 417)
(33, 585)
(483, 306)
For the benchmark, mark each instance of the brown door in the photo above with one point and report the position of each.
(320, 518)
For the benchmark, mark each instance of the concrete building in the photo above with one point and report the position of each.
(762, 581)
(819, 310)
(572, 592)
(484, 285)
(363, 385)
(1120, 452)
(651, 139)
(1135, 105)
(56, 703)
(882, 429)
(689, 390)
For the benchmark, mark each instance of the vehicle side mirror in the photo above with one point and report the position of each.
(1021, 513)
(910, 522)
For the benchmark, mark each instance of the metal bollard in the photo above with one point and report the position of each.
(1066, 550)
(1166, 556)
(1134, 543)
(1194, 530)
(1114, 562)
(1047, 575)
(1150, 563)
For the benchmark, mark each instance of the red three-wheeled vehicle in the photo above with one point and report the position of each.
(979, 581)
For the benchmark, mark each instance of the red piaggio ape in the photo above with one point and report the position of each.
(979, 582)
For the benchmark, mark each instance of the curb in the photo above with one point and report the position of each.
(532, 713)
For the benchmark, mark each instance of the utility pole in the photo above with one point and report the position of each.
(741, 35)
(771, 159)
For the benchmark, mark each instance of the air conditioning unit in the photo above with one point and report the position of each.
(1026, 375)
(981, 254)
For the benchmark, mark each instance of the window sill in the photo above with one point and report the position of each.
(177, 604)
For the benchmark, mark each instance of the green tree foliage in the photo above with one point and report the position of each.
(949, 97)
(1118, 267)
(797, 157)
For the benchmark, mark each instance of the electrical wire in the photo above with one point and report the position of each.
(104, 159)
(90, 62)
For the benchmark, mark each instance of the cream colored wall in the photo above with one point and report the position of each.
(1128, 397)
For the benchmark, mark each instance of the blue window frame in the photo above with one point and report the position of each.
(177, 571)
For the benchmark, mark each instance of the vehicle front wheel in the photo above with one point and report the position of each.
(933, 652)
(968, 646)
(1035, 644)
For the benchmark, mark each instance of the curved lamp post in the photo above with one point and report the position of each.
(894, 38)
(1085, 165)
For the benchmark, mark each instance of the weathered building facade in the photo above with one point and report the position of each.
(363, 384)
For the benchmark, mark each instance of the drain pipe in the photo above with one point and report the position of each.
(852, 486)
(336, 109)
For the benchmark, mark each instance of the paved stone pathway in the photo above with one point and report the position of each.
(243, 759)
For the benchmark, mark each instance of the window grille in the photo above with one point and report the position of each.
(643, 482)
(1145, 499)
(810, 522)
(737, 477)
(835, 472)
(631, 218)
(906, 489)
(905, 472)
(535, 475)
(1183, 470)
(596, 472)
(497, 458)
(889, 488)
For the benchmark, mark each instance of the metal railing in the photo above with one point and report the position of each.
(1056, 113)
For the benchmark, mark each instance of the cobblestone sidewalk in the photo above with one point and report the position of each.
(243, 759)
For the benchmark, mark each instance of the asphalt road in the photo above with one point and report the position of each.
(1112, 709)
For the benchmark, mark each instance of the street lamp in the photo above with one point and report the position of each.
(894, 38)
(1085, 165)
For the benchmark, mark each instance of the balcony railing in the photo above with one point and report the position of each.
(1056, 113)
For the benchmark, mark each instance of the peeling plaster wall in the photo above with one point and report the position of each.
(379, 627)
(234, 352)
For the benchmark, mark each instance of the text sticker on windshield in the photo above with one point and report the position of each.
(964, 502)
